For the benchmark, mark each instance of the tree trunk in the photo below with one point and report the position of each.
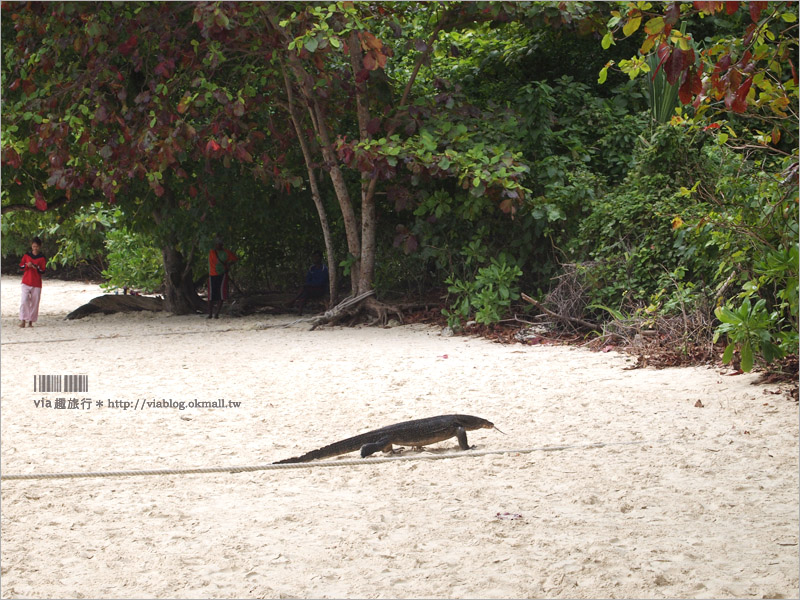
(180, 297)
(369, 219)
(315, 193)
(342, 194)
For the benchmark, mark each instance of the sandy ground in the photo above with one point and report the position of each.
(682, 501)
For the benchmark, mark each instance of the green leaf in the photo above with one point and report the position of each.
(726, 315)
(632, 25)
(311, 44)
(654, 26)
(770, 351)
(747, 357)
(608, 39)
(727, 356)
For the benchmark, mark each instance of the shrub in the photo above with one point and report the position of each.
(132, 262)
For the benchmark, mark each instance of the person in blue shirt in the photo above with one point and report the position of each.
(315, 285)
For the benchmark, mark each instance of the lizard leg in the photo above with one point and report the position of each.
(461, 434)
(382, 444)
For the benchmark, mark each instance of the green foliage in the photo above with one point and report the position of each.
(565, 119)
(663, 97)
(18, 229)
(81, 237)
(752, 327)
(748, 329)
(132, 262)
(489, 295)
(74, 239)
(629, 234)
(509, 155)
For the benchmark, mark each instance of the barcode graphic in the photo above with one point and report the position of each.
(61, 383)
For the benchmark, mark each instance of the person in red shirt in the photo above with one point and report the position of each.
(32, 266)
(219, 261)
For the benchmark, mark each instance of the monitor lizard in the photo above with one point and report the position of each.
(415, 433)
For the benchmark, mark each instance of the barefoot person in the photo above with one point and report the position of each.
(219, 262)
(32, 266)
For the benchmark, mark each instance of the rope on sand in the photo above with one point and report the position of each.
(322, 463)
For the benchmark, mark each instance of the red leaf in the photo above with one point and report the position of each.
(373, 126)
(243, 155)
(739, 104)
(507, 206)
(129, 46)
(688, 58)
(370, 62)
(697, 80)
(745, 60)
(164, 68)
(41, 204)
(11, 158)
(362, 76)
(674, 65)
(685, 91)
(731, 7)
(28, 86)
(755, 9)
(673, 14)
(193, 191)
(212, 146)
(751, 29)
(663, 53)
(369, 41)
(410, 244)
(707, 7)
(723, 64)
(734, 79)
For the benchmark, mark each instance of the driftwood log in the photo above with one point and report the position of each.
(110, 304)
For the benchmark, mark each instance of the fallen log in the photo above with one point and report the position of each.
(110, 304)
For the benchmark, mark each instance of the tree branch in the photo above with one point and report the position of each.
(562, 318)
(57, 203)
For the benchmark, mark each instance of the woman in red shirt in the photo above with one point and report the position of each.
(32, 265)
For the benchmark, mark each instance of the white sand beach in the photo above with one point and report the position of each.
(654, 495)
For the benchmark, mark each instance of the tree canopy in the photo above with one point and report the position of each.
(470, 146)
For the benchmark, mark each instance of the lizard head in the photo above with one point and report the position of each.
(469, 422)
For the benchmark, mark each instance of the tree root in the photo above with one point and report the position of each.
(351, 311)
